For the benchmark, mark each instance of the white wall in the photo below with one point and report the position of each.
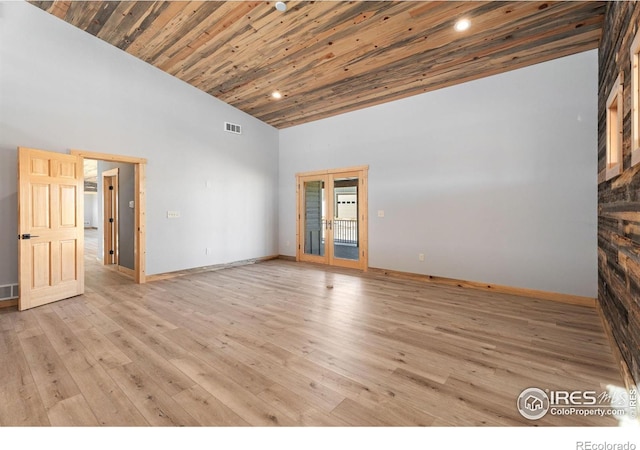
(493, 180)
(91, 209)
(61, 88)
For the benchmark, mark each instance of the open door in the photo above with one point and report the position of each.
(50, 227)
(110, 217)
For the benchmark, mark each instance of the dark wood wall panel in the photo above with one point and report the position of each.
(619, 198)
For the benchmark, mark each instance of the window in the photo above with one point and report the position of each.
(614, 131)
(635, 100)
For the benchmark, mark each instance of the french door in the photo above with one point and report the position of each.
(332, 217)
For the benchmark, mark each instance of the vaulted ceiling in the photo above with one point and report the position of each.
(330, 57)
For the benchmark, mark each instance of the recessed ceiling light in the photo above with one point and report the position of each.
(462, 25)
(281, 6)
(277, 95)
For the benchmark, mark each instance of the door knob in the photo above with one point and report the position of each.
(27, 236)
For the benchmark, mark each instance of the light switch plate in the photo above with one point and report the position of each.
(173, 214)
(380, 213)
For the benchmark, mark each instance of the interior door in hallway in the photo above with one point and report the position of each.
(110, 221)
(332, 217)
(50, 227)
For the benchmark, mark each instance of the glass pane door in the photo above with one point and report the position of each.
(314, 218)
(331, 225)
(345, 218)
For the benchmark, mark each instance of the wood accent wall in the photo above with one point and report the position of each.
(619, 198)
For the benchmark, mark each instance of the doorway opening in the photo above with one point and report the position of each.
(109, 209)
(116, 234)
(332, 217)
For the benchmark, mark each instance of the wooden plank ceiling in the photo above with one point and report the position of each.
(330, 57)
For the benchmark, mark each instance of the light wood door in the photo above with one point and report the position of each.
(50, 227)
(332, 217)
(110, 216)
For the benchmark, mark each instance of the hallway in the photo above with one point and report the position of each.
(98, 276)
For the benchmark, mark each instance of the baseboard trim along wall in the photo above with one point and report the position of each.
(531, 293)
(8, 303)
(181, 273)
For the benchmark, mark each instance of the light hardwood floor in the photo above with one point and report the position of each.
(274, 344)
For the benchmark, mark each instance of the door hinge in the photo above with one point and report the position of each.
(111, 188)
(110, 219)
(111, 252)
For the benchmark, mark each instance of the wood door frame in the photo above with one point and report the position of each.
(110, 240)
(140, 236)
(362, 172)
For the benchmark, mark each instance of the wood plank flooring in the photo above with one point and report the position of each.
(269, 344)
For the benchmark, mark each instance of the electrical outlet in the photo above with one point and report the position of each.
(421, 257)
(173, 214)
(207, 251)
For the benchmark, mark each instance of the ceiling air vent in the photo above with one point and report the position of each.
(232, 128)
